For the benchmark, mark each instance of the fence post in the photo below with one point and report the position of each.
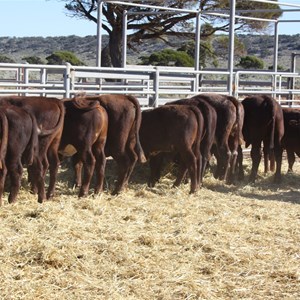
(231, 47)
(67, 76)
(156, 87)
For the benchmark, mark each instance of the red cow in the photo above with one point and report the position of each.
(263, 123)
(49, 115)
(228, 137)
(291, 137)
(210, 123)
(174, 128)
(22, 148)
(85, 129)
(123, 144)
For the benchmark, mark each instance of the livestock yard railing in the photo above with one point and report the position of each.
(153, 86)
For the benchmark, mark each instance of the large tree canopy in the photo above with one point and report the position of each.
(142, 24)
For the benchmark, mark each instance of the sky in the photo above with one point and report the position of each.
(25, 18)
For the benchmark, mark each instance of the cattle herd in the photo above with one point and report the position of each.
(38, 132)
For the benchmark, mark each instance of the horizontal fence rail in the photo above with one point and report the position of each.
(153, 86)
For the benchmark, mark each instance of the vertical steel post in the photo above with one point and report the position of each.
(197, 50)
(275, 58)
(156, 87)
(67, 80)
(99, 36)
(292, 79)
(231, 47)
(124, 39)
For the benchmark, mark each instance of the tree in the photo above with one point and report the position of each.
(33, 60)
(61, 57)
(6, 59)
(143, 25)
(168, 57)
(251, 62)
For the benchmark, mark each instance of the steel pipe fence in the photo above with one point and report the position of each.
(153, 86)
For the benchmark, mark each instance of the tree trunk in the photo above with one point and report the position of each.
(105, 57)
(115, 47)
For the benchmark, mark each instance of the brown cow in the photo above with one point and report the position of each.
(123, 144)
(22, 148)
(85, 129)
(174, 128)
(263, 123)
(230, 115)
(291, 137)
(49, 115)
(210, 123)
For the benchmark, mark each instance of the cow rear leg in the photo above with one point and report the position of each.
(239, 166)
(133, 158)
(3, 173)
(155, 164)
(291, 160)
(54, 163)
(256, 157)
(37, 171)
(31, 180)
(278, 158)
(100, 166)
(88, 161)
(190, 161)
(15, 174)
(182, 171)
(223, 162)
(122, 167)
(77, 165)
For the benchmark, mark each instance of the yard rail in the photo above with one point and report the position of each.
(153, 86)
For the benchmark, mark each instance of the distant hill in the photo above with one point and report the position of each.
(85, 47)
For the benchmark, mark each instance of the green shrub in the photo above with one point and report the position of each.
(62, 57)
(6, 59)
(251, 62)
(168, 57)
(33, 60)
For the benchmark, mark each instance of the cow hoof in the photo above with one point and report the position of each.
(50, 196)
(82, 194)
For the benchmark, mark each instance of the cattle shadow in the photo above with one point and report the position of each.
(288, 190)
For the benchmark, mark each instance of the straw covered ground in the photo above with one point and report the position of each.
(225, 242)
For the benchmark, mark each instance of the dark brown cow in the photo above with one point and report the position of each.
(291, 137)
(210, 123)
(123, 144)
(49, 115)
(174, 128)
(263, 123)
(22, 148)
(85, 129)
(230, 115)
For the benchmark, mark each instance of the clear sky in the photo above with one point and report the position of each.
(22, 18)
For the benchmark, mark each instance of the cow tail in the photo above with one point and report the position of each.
(271, 107)
(33, 144)
(4, 139)
(138, 120)
(239, 118)
(273, 126)
(200, 133)
(199, 137)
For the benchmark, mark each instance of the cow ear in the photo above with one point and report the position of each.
(294, 123)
